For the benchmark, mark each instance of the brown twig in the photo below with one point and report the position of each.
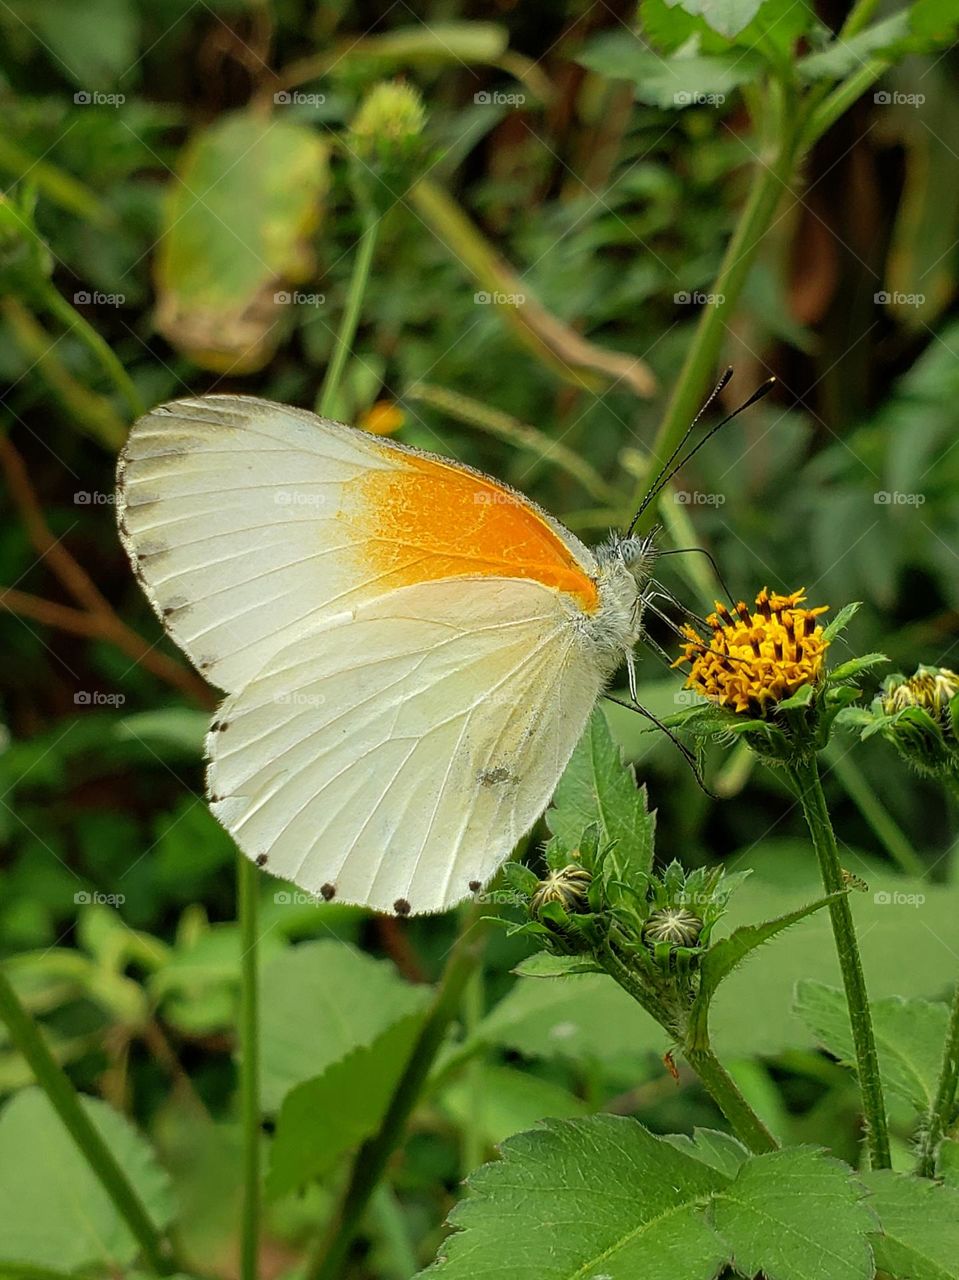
(97, 617)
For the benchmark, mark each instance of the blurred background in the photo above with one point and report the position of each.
(182, 216)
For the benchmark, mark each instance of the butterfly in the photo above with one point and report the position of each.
(409, 649)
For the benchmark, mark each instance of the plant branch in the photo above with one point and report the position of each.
(351, 314)
(941, 1116)
(804, 774)
(372, 1157)
(55, 1083)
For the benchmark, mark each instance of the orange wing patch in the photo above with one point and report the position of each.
(424, 520)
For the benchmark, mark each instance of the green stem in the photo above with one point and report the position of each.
(943, 1107)
(402, 1262)
(247, 889)
(66, 1102)
(838, 102)
(57, 305)
(351, 314)
(769, 181)
(724, 1091)
(883, 826)
(745, 1123)
(371, 1159)
(805, 777)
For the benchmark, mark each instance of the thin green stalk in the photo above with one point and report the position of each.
(943, 1108)
(769, 181)
(745, 1123)
(247, 904)
(402, 1262)
(805, 777)
(371, 1159)
(472, 1140)
(351, 314)
(58, 306)
(838, 102)
(65, 1100)
(886, 830)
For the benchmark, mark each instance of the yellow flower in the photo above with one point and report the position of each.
(754, 660)
(383, 418)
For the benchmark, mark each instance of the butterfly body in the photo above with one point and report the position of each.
(409, 649)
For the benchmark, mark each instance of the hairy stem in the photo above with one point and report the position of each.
(721, 1087)
(943, 1108)
(805, 777)
(65, 1100)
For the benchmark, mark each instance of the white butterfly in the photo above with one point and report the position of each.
(410, 650)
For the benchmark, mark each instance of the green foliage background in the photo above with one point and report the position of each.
(195, 202)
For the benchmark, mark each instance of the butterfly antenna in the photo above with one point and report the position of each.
(671, 466)
(687, 755)
(685, 551)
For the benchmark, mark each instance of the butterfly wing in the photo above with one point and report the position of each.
(395, 755)
(249, 522)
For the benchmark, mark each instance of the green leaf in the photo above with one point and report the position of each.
(798, 701)
(843, 56)
(728, 953)
(93, 41)
(597, 787)
(934, 21)
(55, 1212)
(920, 1226)
(585, 1198)
(320, 1001)
(728, 17)
(236, 235)
(849, 670)
(541, 964)
(947, 1162)
(794, 1214)
(841, 620)
(719, 1150)
(909, 1037)
(321, 1119)
(682, 80)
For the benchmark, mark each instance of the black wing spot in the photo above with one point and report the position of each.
(475, 886)
(329, 892)
(261, 859)
(401, 907)
(494, 777)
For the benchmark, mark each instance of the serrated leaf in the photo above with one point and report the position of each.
(543, 965)
(55, 1213)
(848, 670)
(920, 1226)
(794, 1214)
(909, 1037)
(728, 953)
(679, 81)
(321, 1119)
(577, 1198)
(797, 701)
(841, 620)
(597, 787)
(321, 1000)
(719, 1150)
(728, 17)
(843, 56)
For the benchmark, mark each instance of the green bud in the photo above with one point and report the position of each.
(568, 888)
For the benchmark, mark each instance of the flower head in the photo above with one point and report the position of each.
(931, 688)
(755, 659)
